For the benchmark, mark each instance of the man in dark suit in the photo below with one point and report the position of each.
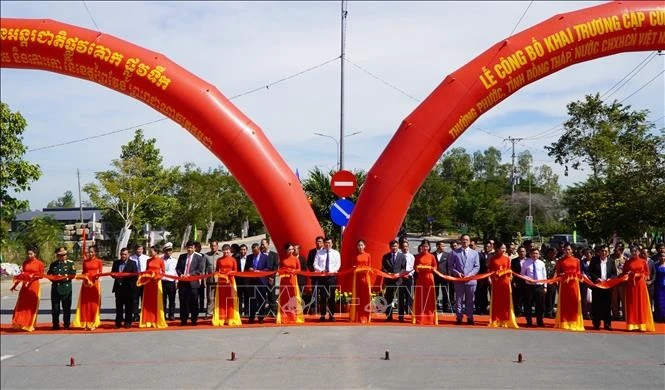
(273, 264)
(482, 287)
(243, 284)
(441, 285)
(189, 264)
(394, 262)
(602, 268)
(258, 262)
(124, 289)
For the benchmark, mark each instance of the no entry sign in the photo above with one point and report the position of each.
(343, 184)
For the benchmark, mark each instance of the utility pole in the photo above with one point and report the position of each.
(512, 173)
(341, 86)
(78, 176)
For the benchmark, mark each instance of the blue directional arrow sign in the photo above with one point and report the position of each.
(340, 211)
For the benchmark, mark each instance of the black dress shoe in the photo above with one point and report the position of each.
(66, 327)
(331, 319)
(322, 319)
(608, 328)
(470, 322)
(401, 319)
(116, 326)
(127, 326)
(541, 325)
(596, 327)
(183, 323)
(55, 327)
(251, 321)
(458, 322)
(260, 320)
(389, 319)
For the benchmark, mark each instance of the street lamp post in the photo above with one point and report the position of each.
(337, 144)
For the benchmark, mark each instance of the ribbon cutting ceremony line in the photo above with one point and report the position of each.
(144, 277)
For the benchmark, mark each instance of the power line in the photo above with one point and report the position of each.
(640, 88)
(267, 86)
(382, 80)
(641, 66)
(165, 118)
(91, 18)
(520, 19)
(487, 132)
(96, 136)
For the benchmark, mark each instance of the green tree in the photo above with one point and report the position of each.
(626, 189)
(431, 208)
(16, 174)
(66, 200)
(135, 190)
(43, 232)
(213, 196)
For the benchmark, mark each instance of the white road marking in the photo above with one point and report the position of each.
(3, 357)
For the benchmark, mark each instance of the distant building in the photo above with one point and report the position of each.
(71, 219)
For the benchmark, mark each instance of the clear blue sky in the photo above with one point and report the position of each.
(238, 46)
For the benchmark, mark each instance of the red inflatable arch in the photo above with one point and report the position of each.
(178, 94)
(433, 126)
(475, 88)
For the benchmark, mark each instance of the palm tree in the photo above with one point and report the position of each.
(321, 197)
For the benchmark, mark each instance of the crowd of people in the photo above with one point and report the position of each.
(224, 285)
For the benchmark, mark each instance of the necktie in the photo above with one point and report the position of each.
(535, 274)
(393, 261)
(138, 264)
(327, 269)
(189, 260)
(255, 262)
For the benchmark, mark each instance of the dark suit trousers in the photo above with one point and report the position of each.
(327, 286)
(518, 297)
(138, 297)
(124, 305)
(402, 297)
(66, 301)
(257, 307)
(202, 297)
(244, 293)
(189, 305)
(442, 292)
(534, 296)
(168, 288)
(481, 300)
(601, 306)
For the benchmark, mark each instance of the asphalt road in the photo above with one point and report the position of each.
(324, 356)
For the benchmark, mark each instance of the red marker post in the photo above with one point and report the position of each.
(343, 184)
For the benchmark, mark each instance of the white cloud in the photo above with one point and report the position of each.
(238, 46)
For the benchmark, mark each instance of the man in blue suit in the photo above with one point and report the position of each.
(464, 262)
(258, 261)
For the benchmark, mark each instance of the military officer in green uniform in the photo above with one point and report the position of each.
(61, 291)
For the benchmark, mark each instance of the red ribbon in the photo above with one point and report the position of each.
(145, 277)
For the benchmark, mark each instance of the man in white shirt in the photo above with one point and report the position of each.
(168, 284)
(141, 261)
(327, 260)
(534, 293)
